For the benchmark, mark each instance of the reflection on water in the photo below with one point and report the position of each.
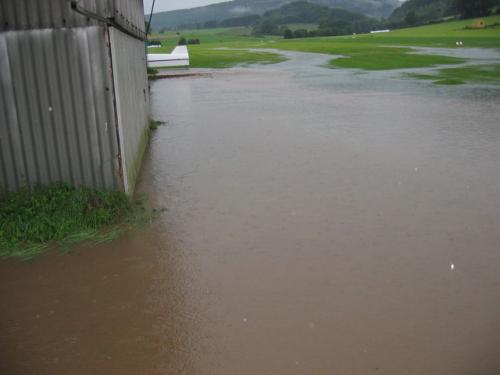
(317, 223)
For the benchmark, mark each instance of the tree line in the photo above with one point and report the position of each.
(420, 12)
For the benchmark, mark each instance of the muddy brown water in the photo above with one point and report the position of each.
(318, 222)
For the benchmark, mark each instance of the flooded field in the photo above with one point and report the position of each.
(318, 222)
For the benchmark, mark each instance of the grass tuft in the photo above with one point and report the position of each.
(154, 124)
(152, 73)
(30, 220)
(449, 81)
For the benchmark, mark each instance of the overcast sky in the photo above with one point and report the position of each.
(162, 5)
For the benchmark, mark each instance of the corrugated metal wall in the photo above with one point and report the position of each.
(57, 116)
(73, 94)
(130, 14)
(56, 14)
(47, 14)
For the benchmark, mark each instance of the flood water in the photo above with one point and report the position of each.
(318, 222)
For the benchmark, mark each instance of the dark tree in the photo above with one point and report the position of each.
(210, 24)
(474, 8)
(288, 34)
(268, 27)
(300, 33)
(182, 41)
(411, 18)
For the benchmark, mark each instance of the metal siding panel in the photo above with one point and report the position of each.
(132, 98)
(57, 110)
(19, 55)
(78, 95)
(130, 15)
(101, 91)
(17, 167)
(3, 15)
(47, 159)
(63, 45)
(55, 97)
(21, 14)
(6, 144)
(3, 167)
(35, 124)
(95, 88)
(94, 115)
(42, 17)
(86, 135)
(38, 14)
(7, 159)
(111, 126)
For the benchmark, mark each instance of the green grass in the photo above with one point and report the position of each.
(449, 82)
(30, 220)
(445, 34)
(203, 57)
(152, 73)
(460, 75)
(392, 59)
(369, 51)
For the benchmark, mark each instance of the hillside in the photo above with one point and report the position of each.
(416, 12)
(330, 21)
(239, 8)
(419, 11)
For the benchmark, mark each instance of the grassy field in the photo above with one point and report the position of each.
(369, 51)
(220, 48)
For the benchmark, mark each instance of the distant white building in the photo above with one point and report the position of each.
(379, 31)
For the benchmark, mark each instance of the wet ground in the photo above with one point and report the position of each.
(318, 222)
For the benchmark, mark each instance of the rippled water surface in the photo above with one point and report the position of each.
(318, 222)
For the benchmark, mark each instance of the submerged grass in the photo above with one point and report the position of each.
(468, 74)
(203, 57)
(31, 220)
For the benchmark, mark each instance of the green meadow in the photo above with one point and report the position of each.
(222, 48)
